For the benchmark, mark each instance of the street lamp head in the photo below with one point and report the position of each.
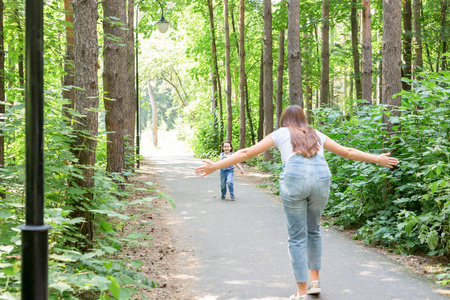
(162, 24)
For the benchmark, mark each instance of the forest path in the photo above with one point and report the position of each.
(237, 250)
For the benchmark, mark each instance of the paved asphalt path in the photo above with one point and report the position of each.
(240, 247)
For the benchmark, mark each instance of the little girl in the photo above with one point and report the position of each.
(226, 174)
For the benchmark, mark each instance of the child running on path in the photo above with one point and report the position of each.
(226, 174)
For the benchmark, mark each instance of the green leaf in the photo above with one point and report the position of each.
(114, 287)
(138, 235)
(137, 263)
(61, 287)
(108, 265)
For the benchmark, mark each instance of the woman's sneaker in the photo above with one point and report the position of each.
(314, 288)
(298, 297)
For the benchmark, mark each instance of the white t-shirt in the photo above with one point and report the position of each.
(282, 141)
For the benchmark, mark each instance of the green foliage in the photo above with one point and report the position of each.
(414, 216)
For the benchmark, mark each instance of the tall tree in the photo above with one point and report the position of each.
(417, 27)
(242, 123)
(367, 53)
(391, 56)
(86, 103)
(154, 114)
(115, 81)
(68, 61)
(306, 71)
(261, 98)
(325, 54)
(355, 52)
(444, 34)
(247, 104)
(407, 42)
(216, 89)
(228, 73)
(268, 72)
(280, 71)
(130, 124)
(2, 88)
(294, 54)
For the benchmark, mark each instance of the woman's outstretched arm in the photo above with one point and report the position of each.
(237, 157)
(383, 159)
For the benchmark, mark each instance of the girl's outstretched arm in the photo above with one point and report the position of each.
(237, 157)
(383, 159)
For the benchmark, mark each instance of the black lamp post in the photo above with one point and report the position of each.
(34, 232)
(162, 26)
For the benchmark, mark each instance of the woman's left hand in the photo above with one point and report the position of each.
(385, 160)
(206, 169)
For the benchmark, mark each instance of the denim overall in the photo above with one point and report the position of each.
(226, 178)
(304, 190)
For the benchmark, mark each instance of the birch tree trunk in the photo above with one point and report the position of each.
(86, 104)
(294, 54)
(325, 54)
(367, 53)
(280, 70)
(268, 69)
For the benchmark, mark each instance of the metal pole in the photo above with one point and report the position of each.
(137, 91)
(34, 232)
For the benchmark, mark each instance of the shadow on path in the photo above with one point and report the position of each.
(239, 248)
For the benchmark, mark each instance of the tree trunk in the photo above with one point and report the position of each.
(130, 125)
(68, 61)
(242, 122)
(154, 114)
(115, 83)
(444, 34)
(86, 104)
(367, 53)
(391, 57)
(325, 54)
(261, 99)
(407, 41)
(217, 94)
(228, 74)
(294, 54)
(308, 90)
(280, 70)
(20, 43)
(355, 52)
(380, 82)
(268, 66)
(2, 91)
(249, 116)
(417, 27)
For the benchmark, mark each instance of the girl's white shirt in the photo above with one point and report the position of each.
(282, 140)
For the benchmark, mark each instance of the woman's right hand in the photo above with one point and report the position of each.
(385, 160)
(208, 168)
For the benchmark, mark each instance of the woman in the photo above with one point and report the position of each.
(304, 187)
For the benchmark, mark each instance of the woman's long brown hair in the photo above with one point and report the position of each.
(304, 139)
